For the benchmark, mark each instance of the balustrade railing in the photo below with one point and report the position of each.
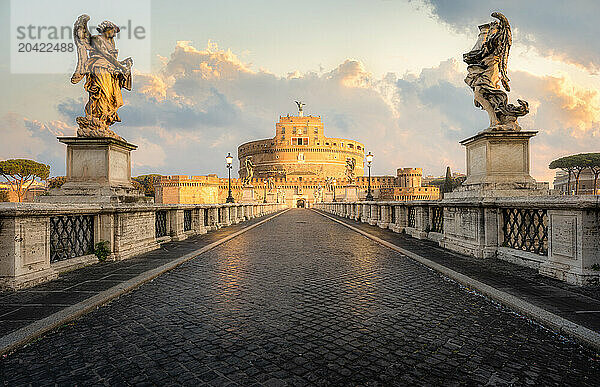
(437, 219)
(71, 236)
(161, 224)
(412, 216)
(187, 220)
(525, 229)
(557, 235)
(206, 220)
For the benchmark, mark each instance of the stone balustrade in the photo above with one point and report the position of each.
(558, 235)
(38, 241)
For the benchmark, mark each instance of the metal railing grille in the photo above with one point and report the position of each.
(411, 216)
(71, 236)
(526, 230)
(161, 224)
(437, 219)
(206, 216)
(187, 220)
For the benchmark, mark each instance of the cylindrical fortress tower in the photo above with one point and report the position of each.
(409, 177)
(301, 148)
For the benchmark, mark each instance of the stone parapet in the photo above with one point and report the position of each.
(38, 241)
(558, 235)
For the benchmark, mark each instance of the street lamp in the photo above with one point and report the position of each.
(266, 182)
(369, 197)
(229, 159)
(334, 182)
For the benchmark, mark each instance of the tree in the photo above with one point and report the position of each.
(21, 173)
(448, 181)
(57, 181)
(147, 183)
(574, 164)
(595, 167)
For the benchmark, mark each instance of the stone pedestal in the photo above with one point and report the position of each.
(498, 166)
(248, 194)
(98, 171)
(573, 247)
(351, 193)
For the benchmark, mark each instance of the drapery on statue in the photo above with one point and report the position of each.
(105, 77)
(487, 66)
(350, 164)
(249, 166)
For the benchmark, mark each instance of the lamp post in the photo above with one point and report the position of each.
(334, 182)
(369, 197)
(229, 159)
(265, 200)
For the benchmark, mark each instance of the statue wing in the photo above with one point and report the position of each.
(505, 41)
(82, 38)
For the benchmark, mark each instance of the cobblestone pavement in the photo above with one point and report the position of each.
(21, 308)
(301, 300)
(579, 304)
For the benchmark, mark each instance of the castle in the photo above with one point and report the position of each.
(299, 166)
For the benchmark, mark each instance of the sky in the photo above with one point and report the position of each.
(386, 73)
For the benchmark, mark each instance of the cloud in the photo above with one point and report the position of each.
(148, 154)
(186, 118)
(564, 30)
(24, 138)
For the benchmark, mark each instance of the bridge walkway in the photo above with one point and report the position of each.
(301, 300)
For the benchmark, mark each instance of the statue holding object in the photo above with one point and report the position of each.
(487, 70)
(350, 165)
(249, 166)
(105, 77)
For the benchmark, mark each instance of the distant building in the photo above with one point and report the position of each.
(298, 160)
(37, 188)
(586, 183)
(300, 148)
(408, 186)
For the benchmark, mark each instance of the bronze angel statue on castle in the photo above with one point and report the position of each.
(104, 74)
(487, 69)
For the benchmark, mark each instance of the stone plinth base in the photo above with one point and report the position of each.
(248, 194)
(351, 193)
(573, 247)
(98, 171)
(498, 166)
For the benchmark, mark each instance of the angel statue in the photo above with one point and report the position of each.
(318, 194)
(249, 166)
(105, 77)
(487, 65)
(300, 104)
(329, 183)
(270, 184)
(350, 164)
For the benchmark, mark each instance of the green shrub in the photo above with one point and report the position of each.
(102, 250)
